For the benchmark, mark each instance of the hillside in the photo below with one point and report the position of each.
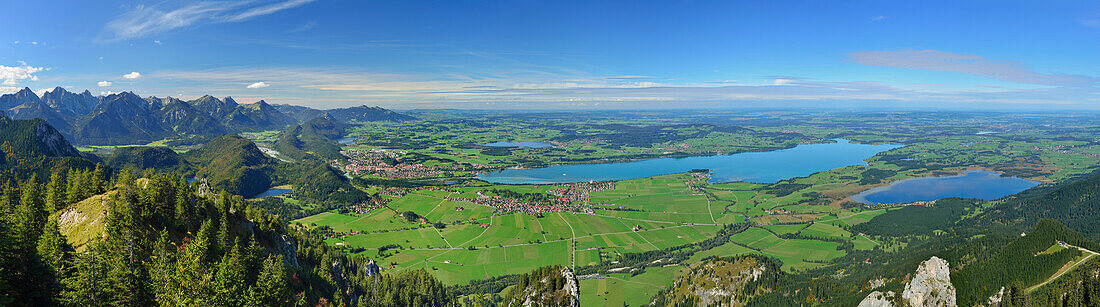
(33, 146)
(1025, 261)
(317, 136)
(1073, 204)
(235, 164)
(161, 159)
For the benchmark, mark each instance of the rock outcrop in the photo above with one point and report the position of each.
(546, 286)
(878, 299)
(930, 286)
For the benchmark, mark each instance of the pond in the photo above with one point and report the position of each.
(760, 167)
(976, 183)
(346, 141)
(518, 144)
(272, 192)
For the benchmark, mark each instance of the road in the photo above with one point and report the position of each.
(1065, 269)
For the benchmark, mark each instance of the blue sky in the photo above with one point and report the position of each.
(565, 54)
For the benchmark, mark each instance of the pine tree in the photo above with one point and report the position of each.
(273, 286)
(162, 271)
(230, 288)
(192, 268)
(55, 252)
(55, 193)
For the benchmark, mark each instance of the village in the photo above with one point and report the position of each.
(387, 164)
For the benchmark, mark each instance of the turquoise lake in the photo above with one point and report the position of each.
(980, 184)
(518, 144)
(759, 167)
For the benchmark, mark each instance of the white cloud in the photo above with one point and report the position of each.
(936, 60)
(145, 20)
(782, 81)
(10, 75)
(132, 75)
(877, 18)
(16, 42)
(260, 84)
(104, 83)
(105, 93)
(156, 42)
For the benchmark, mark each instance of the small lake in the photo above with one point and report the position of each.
(760, 167)
(272, 192)
(976, 183)
(347, 141)
(518, 144)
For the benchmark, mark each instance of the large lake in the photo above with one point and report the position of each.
(980, 184)
(760, 167)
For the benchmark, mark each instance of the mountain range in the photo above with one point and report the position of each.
(126, 118)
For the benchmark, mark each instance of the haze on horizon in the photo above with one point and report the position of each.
(990, 55)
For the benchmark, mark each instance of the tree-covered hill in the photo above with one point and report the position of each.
(161, 159)
(235, 164)
(34, 147)
(1075, 204)
(316, 136)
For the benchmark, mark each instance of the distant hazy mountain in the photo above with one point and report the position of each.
(35, 108)
(299, 113)
(215, 107)
(122, 118)
(72, 103)
(366, 114)
(8, 101)
(344, 115)
(180, 117)
(255, 117)
(125, 118)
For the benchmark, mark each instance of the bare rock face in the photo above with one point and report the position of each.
(930, 286)
(878, 299)
(571, 288)
(370, 269)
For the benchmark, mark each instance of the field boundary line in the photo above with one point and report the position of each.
(573, 243)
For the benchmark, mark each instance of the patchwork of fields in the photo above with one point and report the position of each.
(662, 212)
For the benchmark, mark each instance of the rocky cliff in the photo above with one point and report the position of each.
(930, 286)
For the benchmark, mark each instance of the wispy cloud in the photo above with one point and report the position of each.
(335, 87)
(878, 18)
(148, 20)
(936, 60)
(1091, 22)
(304, 27)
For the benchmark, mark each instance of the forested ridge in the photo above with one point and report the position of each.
(166, 243)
